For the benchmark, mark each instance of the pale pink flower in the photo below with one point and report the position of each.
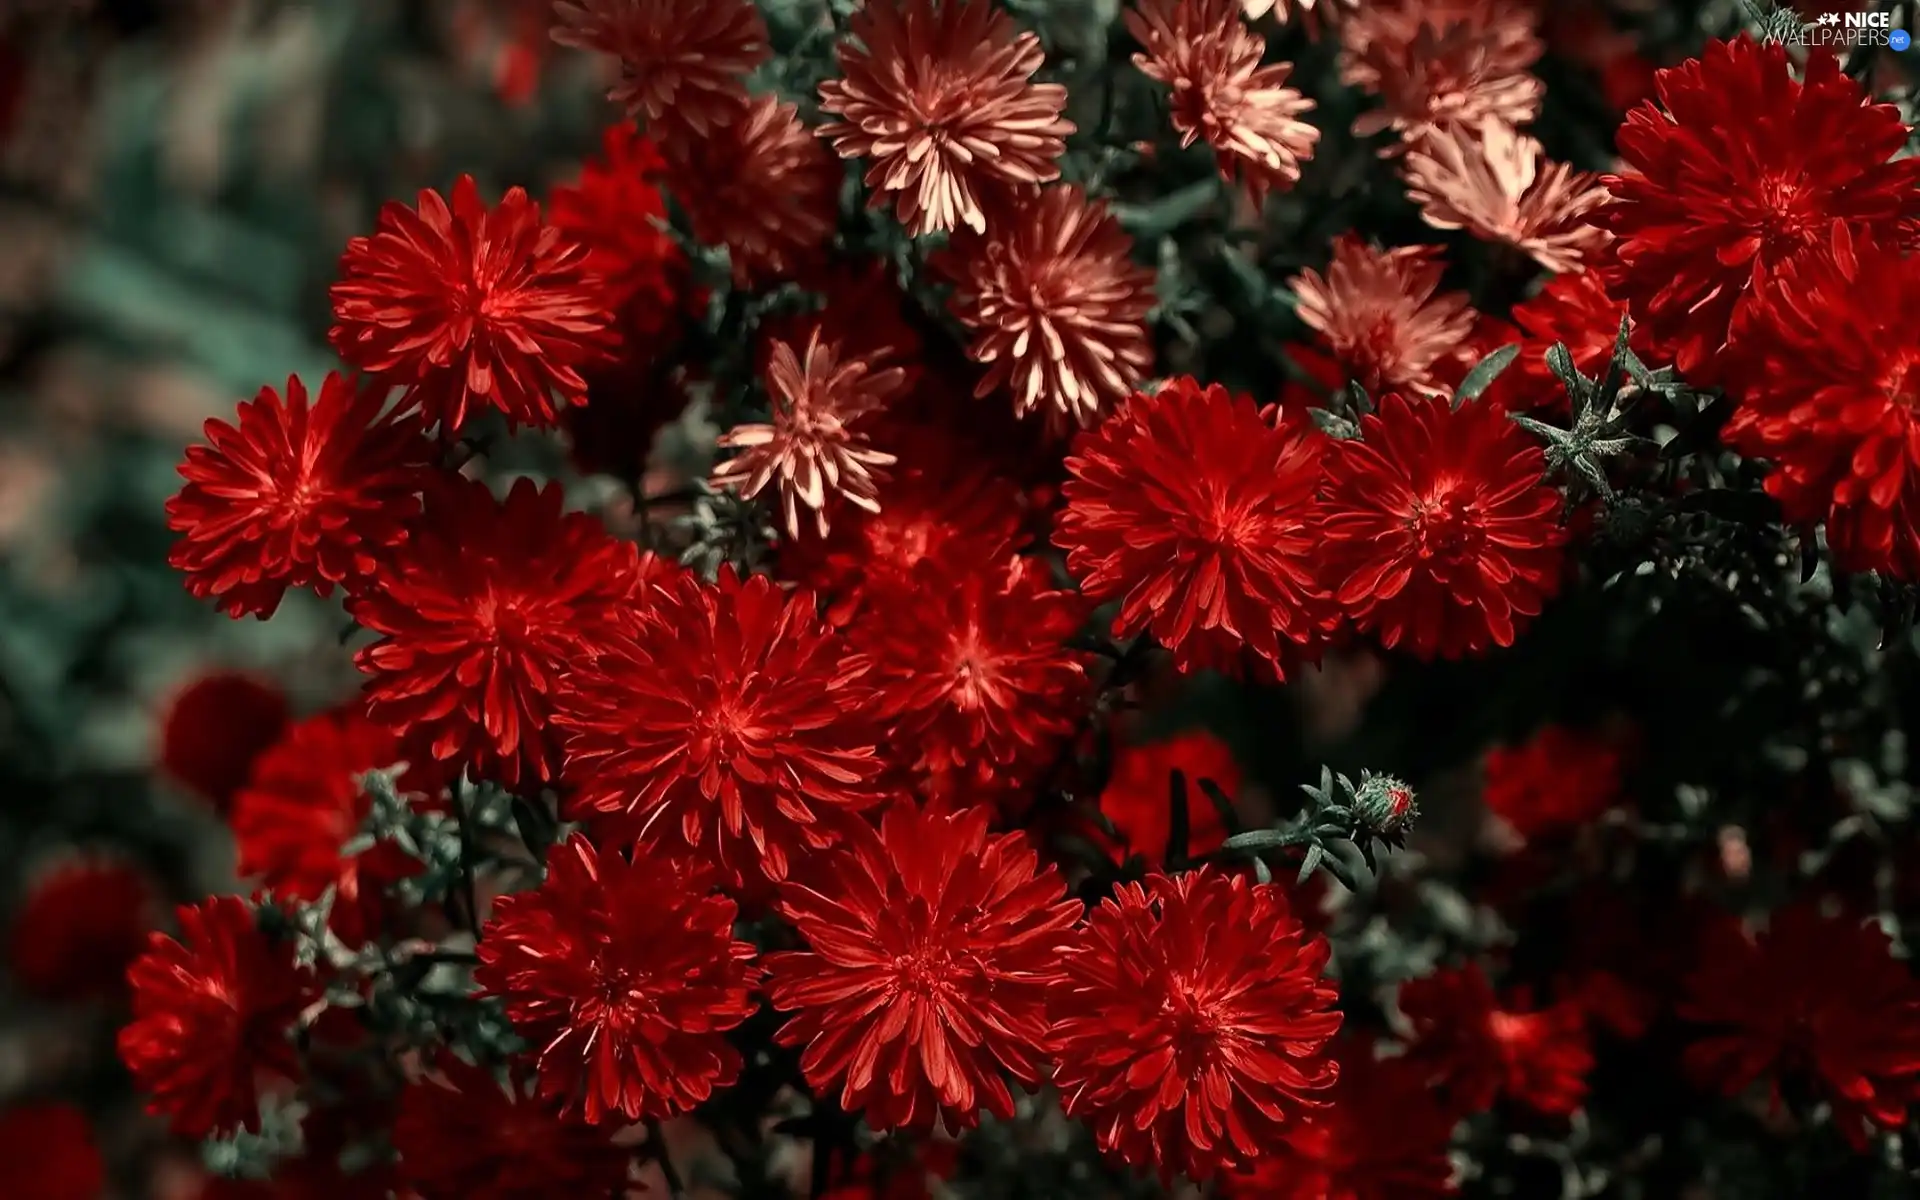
(1221, 92)
(1382, 314)
(810, 447)
(940, 99)
(1496, 183)
(1430, 64)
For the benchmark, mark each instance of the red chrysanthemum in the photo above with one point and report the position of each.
(1211, 61)
(82, 920)
(470, 308)
(1438, 528)
(764, 187)
(1482, 1051)
(215, 727)
(464, 1135)
(617, 212)
(1384, 1137)
(1198, 513)
(625, 977)
(211, 1013)
(1811, 996)
(931, 942)
(493, 603)
(1434, 62)
(973, 677)
(731, 723)
(683, 63)
(1057, 306)
(1573, 310)
(1742, 171)
(938, 95)
(50, 1154)
(297, 495)
(1383, 315)
(1191, 1023)
(1828, 390)
(1139, 801)
(1557, 780)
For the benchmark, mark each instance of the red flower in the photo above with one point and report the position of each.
(625, 977)
(1191, 1022)
(1481, 1051)
(491, 605)
(1741, 174)
(210, 1014)
(80, 923)
(1198, 514)
(728, 723)
(930, 946)
(1138, 796)
(1384, 1137)
(617, 213)
(1827, 390)
(1057, 306)
(1811, 996)
(939, 96)
(50, 1154)
(1557, 781)
(215, 727)
(683, 63)
(973, 677)
(1438, 524)
(1573, 310)
(297, 495)
(464, 1136)
(468, 308)
(1383, 315)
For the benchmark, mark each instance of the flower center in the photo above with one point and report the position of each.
(1786, 221)
(1445, 526)
(1902, 385)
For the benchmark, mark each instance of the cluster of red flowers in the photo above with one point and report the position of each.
(834, 749)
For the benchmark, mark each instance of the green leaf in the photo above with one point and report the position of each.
(1482, 376)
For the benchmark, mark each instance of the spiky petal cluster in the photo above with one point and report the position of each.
(493, 603)
(730, 724)
(924, 984)
(1496, 183)
(298, 493)
(1438, 527)
(1056, 304)
(212, 1014)
(1198, 514)
(1481, 1049)
(683, 63)
(625, 976)
(1383, 315)
(1191, 1021)
(811, 449)
(1740, 169)
(470, 308)
(1210, 59)
(938, 96)
(1432, 64)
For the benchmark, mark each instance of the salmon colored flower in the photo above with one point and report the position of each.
(683, 63)
(1432, 63)
(1383, 315)
(1496, 183)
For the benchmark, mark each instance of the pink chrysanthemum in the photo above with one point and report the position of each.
(470, 308)
(939, 96)
(1383, 315)
(298, 494)
(1432, 63)
(683, 63)
(1497, 184)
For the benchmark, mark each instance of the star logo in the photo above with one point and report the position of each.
(1829, 18)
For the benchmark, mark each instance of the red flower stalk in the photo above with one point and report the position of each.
(1439, 527)
(625, 976)
(1191, 1023)
(211, 1013)
(470, 308)
(1138, 797)
(489, 608)
(1828, 391)
(683, 63)
(1254, 123)
(50, 1154)
(1056, 304)
(296, 495)
(1198, 514)
(1558, 780)
(617, 212)
(465, 1136)
(82, 920)
(938, 95)
(1738, 171)
(215, 727)
(728, 723)
(1382, 314)
(973, 677)
(1814, 996)
(930, 943)
(1482, 1051)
